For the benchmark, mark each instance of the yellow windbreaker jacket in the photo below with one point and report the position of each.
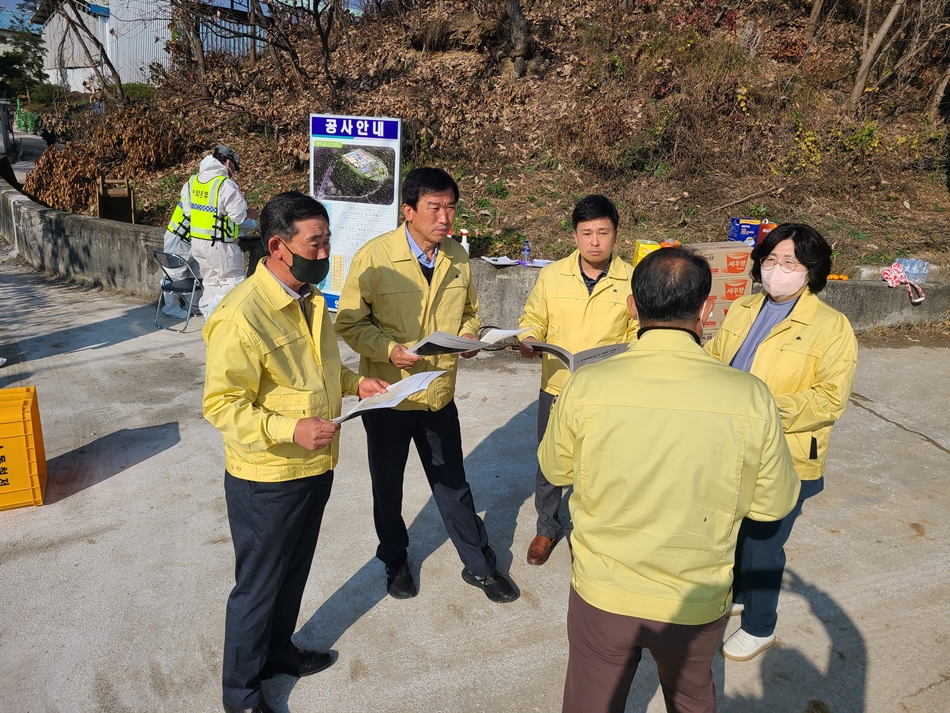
(668, 450)
(265, 370)
(559, 311)
(386, 301)
(808, 361)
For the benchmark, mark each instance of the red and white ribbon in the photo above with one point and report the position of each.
(894, 276)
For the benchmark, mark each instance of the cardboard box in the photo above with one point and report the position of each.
(744, 230)
(727, 258)
(715, 320)
(728, 289)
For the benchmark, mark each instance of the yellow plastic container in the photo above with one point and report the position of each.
(642, 248)
(22, 459)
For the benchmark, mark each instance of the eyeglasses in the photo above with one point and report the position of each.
(787, 265)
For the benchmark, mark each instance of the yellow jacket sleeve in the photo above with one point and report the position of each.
(821, 405)
(471, 322)
(714, 346)
(556, 452)
(232, 378)
(777, 486)
(535, 315)
(354, 323)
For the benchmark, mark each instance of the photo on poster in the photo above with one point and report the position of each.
(355, 173)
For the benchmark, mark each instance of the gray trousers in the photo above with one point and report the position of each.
(547, 497)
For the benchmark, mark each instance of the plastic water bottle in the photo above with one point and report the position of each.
(922, 273)
(526, 253)
(914, 275)
(465, 239)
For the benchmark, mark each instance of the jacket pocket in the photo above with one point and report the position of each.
(813, 451)
(792, 369)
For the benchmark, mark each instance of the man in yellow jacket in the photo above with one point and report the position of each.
(577, 303)
(273, 382)
(668, 450)
(402, 286)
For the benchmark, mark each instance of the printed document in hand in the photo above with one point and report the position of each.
(445, 343)
(395, 394)
(576, 361)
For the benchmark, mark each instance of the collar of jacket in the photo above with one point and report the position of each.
(666, 339)
(272, 289)
(572, 266)
(399, 250)
(803, 312)
(690, 332)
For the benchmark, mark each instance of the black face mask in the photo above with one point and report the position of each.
(312, 271)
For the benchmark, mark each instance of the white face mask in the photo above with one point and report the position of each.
(779, 283)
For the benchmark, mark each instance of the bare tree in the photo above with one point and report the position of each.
(861, 79)
(85, 37)
(937, 99)
(519, 35)
(812, 25)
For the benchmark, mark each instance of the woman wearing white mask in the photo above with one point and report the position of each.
(807, 354)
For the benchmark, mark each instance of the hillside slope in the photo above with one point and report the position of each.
(685, 112)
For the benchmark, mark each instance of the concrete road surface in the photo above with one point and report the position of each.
(112, 593)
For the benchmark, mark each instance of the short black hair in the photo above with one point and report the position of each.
(282, 213)
(425, 181)
(593, 207)
(811, 250)
(671, 285)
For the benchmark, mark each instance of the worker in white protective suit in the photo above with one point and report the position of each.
(217, 213)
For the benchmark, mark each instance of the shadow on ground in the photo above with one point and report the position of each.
(792, 681)
(99, 460)
(488, 469)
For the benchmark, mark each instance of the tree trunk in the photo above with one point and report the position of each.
(253, 26)
(192, 30)
(937, 99)
(861, 79)
(519, 36)
(80, 30)
(867, 26)
(812, 25)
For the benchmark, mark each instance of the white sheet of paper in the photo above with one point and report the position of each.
(395, 394)
(540, 263)
(500, 261)
(496, 335)
(445, 343)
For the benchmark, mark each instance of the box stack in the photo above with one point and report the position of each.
(730, 264)
(22, 459)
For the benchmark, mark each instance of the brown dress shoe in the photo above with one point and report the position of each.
(540, 549)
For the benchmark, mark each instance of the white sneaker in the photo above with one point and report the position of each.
(742, 646)
(736, 609)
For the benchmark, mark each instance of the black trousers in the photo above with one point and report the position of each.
(274, 527)
(547, 497)
(438, 440)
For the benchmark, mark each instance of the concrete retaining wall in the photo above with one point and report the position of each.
(119, 255)
(87, 249)
(502, 292)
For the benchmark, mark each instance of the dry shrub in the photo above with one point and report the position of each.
(134, 141)
(64, 179)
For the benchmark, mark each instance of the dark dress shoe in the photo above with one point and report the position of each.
(496, 587)
(399, 582)
(261, 707)
(311, 662)
(540, 549)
